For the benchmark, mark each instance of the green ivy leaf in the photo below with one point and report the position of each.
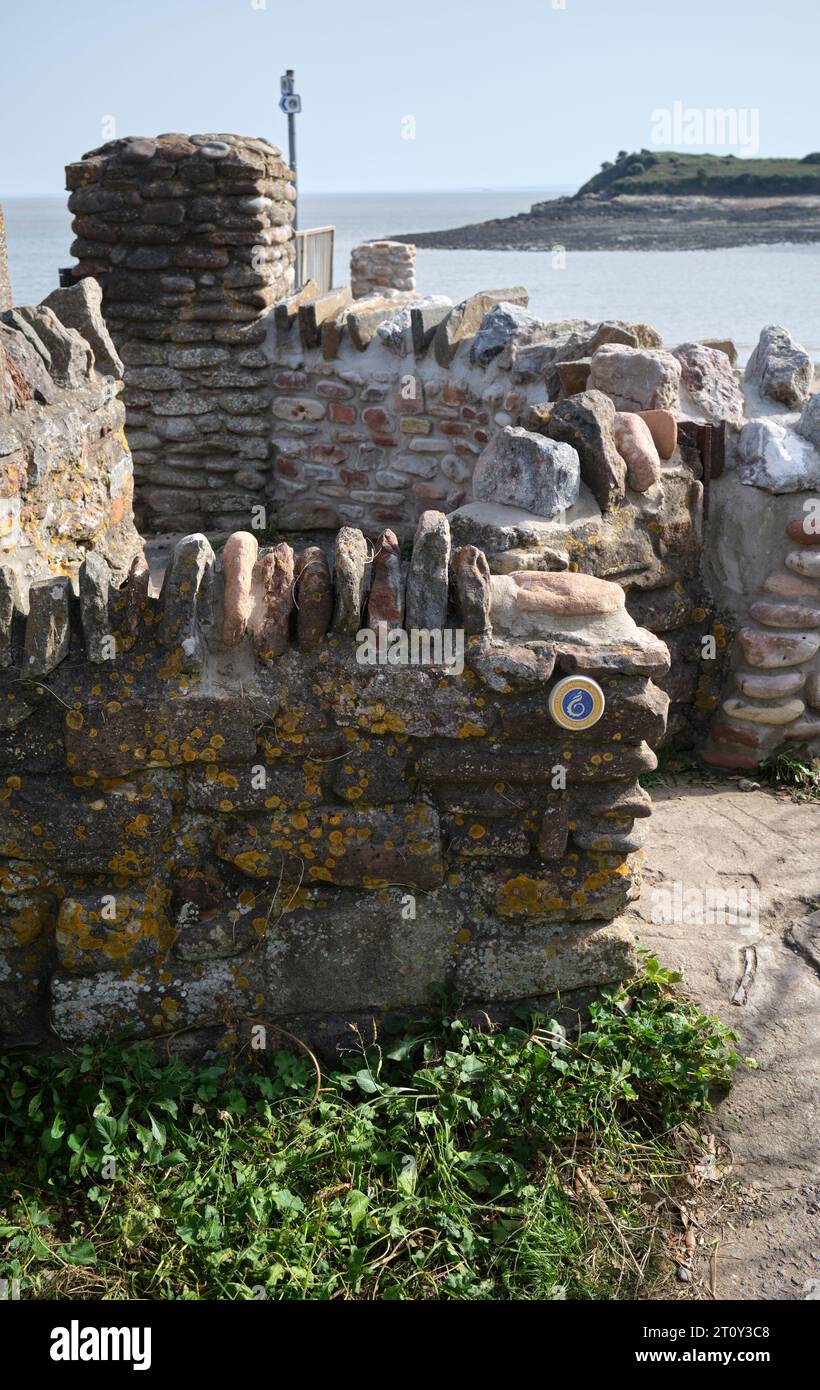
(81, 1253)
(357, 1204)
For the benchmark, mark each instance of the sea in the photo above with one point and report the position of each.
(685, 295)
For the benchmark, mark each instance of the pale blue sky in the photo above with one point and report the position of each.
(504, 93)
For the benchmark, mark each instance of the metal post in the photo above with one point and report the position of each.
(291, 104)
(292, 152)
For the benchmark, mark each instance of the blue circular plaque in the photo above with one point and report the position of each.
(577, 702)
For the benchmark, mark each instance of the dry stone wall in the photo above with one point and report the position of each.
(237, 817)
(367, 405)
(418, 418)
(763, 562)
(66, 477)
(307, 783)
(192, 240)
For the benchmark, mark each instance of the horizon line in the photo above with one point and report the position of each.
(348, 192)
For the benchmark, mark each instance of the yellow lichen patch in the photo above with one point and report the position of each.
(519, 896)
(251, 861)
(138, 825)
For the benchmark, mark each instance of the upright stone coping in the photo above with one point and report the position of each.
(262, 816)
(192, 240)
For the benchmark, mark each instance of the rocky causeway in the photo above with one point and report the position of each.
(630, 222)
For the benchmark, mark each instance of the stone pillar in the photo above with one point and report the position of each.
(5, 286)
(377, 267)
(192, 240)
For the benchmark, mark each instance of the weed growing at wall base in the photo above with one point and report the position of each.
(440, 1161)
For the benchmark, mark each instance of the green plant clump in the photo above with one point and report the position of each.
(793, 768)
(441, 1162)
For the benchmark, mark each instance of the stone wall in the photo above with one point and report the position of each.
(66, 477)
(367, 411)
(763, 563)
(191, 238)
(327, 410)
(385, 412)
(376, 267)
(5, 286)
(233, 816)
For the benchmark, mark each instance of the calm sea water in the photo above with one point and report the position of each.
(684, 294)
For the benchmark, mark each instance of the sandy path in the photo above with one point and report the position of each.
(717, 837)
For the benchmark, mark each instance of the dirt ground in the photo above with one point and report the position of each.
(714, 836)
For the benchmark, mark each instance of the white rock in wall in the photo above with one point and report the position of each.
(809, 423)
(775, 458)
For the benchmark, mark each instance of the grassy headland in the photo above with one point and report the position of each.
(648, 173)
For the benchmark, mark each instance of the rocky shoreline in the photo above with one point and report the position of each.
(631, 223)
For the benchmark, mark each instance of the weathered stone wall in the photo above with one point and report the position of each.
(234, 817)
(382, 413)
(329, 410)
(66, 478)
(376, 267)
(191, 238)
(362, 412)
(5, 286)
(763, 562)
(367, 442)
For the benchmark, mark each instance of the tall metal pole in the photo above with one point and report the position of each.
(292, 151)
